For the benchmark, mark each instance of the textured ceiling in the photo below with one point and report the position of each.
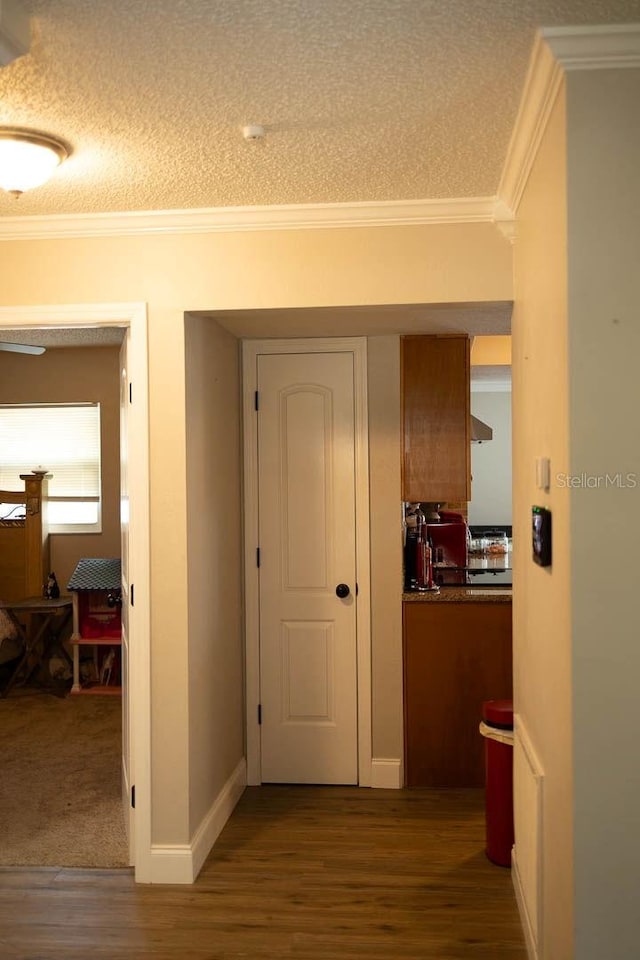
(378, 320)
(75, 337)
(362, 100)
(476, 319)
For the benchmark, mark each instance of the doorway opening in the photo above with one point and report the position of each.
(136, 687)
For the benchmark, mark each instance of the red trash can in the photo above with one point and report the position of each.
(497, 729)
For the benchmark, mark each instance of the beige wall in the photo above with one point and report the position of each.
(214, 542)
(542, 596)
(433, 264)
(207, 272)
(604, 343)
(386, 546)
(491, 461)
(491, 351)
(74, 375)
(576, 344)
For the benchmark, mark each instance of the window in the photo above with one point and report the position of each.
(63, 439)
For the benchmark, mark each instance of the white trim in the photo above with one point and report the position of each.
(125, 783)
(555, 50)
(363, 558)
(529, 938)
(140, 577)
(532, 920)
(171, 863)
(386, 774)
(604, 47)
(490, 386)
(251, 579)
(133, 316)
(283, 217)
(507, 226)
(217, 816)
(82, 315)
(182, 862)
(250, 351)
(541, 88)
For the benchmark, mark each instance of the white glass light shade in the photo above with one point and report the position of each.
(27, 159)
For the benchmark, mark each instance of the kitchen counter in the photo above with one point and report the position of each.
(462, 595)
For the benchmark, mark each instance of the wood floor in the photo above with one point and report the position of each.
(315, 873)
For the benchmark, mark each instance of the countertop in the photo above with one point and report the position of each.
(462, 595)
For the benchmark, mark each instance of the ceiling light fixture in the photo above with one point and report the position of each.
(27, 159)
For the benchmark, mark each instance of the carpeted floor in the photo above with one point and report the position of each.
(60, 793)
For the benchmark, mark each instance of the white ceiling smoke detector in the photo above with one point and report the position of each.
(253, 131)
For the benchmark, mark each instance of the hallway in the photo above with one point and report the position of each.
(317, 873)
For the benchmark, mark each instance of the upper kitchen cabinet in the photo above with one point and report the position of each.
(435, 411)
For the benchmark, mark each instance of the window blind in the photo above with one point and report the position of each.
(63, 439)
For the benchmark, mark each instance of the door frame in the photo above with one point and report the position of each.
(133, 316)
(357, 346)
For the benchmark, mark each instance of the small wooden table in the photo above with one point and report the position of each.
(46, 619)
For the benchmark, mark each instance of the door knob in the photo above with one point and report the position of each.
(342, 591)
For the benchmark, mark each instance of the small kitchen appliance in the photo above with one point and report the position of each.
(418, 554)
(449, 542)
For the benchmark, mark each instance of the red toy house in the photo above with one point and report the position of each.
(96, 588)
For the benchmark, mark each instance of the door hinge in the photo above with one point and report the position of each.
(131, 594)
(259, 713)
(130, 393)
(133, 796)
(257, 556)
(256, 400)
(356, 589)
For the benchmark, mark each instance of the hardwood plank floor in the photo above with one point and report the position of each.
(314, 873)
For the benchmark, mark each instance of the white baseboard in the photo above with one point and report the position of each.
(529, 937)
(220, 811)
(181, 863)
(171, 863)
(528, 803)
(386, 774)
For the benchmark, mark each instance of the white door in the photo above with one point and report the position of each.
(124, 553)
(306, 477)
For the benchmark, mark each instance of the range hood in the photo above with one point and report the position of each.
(480, 431)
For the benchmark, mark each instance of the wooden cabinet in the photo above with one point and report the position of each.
(436, 463)
(456, 656)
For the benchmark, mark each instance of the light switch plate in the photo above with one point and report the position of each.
(543, 473)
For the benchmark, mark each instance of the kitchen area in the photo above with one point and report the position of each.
(456, 530)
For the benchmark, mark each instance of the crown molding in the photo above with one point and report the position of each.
(504, 219)
(226, 219)
(541, 87)
(614, 46)
(556, 50)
